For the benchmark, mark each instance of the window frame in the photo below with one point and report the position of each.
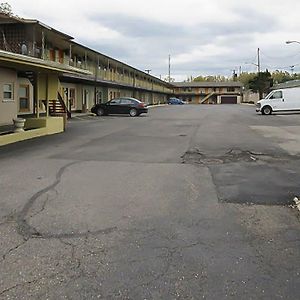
(275, 93)
(12, 98)
(115, 101)
(129, 102)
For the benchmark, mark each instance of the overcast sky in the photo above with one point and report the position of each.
(208, 37)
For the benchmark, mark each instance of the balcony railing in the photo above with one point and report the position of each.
(59, 56)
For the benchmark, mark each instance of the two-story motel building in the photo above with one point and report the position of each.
(40, 65)
(196, 92)
(44, 72)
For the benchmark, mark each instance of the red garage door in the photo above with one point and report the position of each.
(229, 100)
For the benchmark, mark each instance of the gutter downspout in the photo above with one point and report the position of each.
(47, 97)
(37, 96)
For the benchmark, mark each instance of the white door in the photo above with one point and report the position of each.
(86, 99)
(278, 102)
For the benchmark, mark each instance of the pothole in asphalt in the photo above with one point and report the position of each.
(248, 177)
(195, 156)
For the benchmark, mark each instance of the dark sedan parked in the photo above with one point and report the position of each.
(124, 105)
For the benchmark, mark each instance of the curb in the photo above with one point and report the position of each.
(249, 104)
(159, 105)
(74, 115)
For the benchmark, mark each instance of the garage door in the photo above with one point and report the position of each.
(229, 100)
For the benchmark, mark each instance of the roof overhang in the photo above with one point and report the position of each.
(76, 78)
(10, 19)
(21, 62)
(207, 84)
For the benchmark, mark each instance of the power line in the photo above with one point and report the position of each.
(281, 67)
(280, 57)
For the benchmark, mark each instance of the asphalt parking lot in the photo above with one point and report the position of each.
(187, 202)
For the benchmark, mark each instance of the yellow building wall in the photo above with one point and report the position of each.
(8, 108)
(53, 86)
(48, 86)
(79, 94)
(41, 127)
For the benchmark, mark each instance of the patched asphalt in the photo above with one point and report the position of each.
(249, 177)
(163, 206)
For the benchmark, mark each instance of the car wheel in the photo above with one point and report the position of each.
(100, 112)
(266, 110)
(133, 112)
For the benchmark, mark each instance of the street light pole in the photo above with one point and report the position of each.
(256, 65)
(291, 42)
(258, 61)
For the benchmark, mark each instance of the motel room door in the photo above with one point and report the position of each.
(85, 101)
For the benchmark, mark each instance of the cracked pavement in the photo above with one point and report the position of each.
(189, 202)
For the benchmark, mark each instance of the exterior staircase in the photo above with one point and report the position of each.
(206, 98)
(58, 107)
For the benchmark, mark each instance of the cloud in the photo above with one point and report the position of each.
(132, 26)
(203, 37)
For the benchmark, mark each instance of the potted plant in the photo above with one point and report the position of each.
(19, 124)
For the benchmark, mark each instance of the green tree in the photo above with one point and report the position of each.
(280, 76)
(245, 78)
(212, 78)
(261, 83)
(167, 79)
(283, 76)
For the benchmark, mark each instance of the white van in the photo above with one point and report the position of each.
(280, 100)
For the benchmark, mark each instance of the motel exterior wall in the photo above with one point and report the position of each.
(208, 92)
(80, 75)
(8, 104)
(10, 98)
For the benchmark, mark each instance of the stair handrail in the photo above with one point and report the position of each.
(207, 97)
(63, 104)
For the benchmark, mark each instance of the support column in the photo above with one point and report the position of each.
(37, 96)
(47, 97)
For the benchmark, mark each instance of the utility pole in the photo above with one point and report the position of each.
(258, 61)
(169, 68)
(234, 75)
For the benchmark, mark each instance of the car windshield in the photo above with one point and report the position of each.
(269, 95)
